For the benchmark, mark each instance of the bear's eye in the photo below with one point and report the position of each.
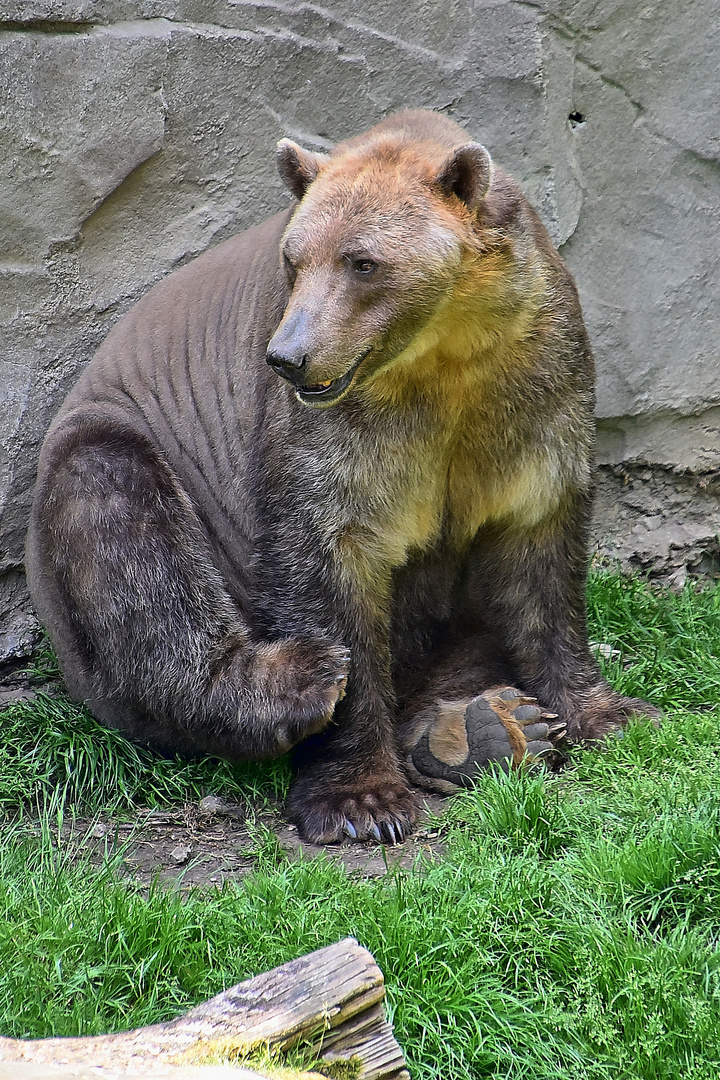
(364, 266)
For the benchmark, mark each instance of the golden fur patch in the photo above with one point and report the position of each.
(447, 738)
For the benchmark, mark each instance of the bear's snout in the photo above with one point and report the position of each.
(289, 365)
(288, 352)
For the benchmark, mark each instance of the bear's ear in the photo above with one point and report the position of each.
(467, 173)
(297, 167)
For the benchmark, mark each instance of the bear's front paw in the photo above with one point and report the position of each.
(374, 807)
(297, 684)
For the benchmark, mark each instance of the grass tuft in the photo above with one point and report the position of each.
(668, 642)
(53, 748)
(519, 808)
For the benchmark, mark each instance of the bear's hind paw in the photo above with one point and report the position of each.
(447, 746)
(296, 686)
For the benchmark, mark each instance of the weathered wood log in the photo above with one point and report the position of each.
(330, 1000)
(32, 1070)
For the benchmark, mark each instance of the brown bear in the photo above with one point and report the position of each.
(328, 487)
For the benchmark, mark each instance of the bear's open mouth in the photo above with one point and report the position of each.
(333, 388)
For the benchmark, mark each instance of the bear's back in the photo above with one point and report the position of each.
(185, 365)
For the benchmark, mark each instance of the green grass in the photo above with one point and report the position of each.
(669, 643)
(53, 749)
(570, 929)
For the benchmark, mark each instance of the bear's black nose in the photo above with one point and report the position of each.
(289, 365)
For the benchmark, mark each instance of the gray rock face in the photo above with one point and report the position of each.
(136, 133)
(658, 521)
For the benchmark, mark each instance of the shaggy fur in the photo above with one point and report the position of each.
(360, 469)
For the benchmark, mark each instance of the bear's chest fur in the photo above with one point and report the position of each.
(456, 441)
(434, 478)
(446, 491)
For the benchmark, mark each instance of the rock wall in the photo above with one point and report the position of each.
(136, 133)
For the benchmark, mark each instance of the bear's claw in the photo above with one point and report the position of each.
(380, 808)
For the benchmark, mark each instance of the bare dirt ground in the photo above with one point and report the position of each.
(214, 841)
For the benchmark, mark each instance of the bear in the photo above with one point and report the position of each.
(326, 488)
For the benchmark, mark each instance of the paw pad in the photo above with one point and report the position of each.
(449, 745)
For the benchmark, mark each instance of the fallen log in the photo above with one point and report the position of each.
(329, 1001)
(31, 1070)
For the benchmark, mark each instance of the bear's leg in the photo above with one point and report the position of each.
(147, 632)
(462, 716)
(530, 586)
(350, 782)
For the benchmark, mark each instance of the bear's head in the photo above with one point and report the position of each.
(375, 248)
